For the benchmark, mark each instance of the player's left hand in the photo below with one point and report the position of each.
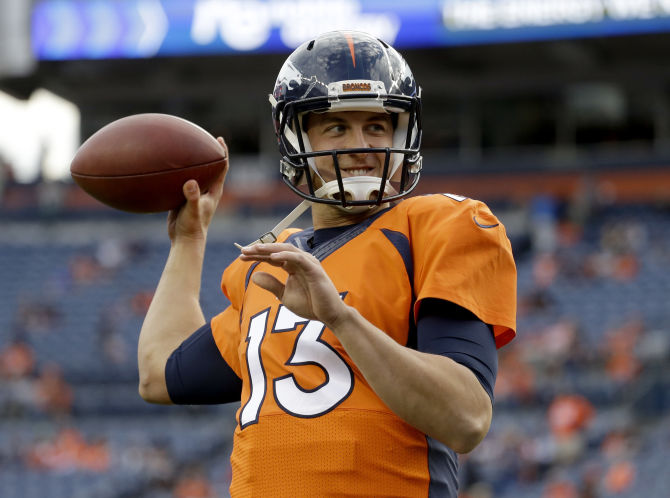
(308, 291)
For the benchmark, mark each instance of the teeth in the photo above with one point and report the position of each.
(357, 172)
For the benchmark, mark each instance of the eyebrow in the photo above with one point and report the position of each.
(326, 119)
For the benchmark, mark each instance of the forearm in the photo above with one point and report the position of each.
(174, 314)
(432, 393)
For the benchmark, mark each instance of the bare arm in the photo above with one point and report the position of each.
(175, 313)
(432, 393)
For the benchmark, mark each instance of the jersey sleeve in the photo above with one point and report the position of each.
(226, 325)
(462, 254)
(225, 330)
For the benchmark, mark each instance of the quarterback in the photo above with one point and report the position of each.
(362, 351)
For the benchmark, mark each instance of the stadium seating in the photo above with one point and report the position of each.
(598, 329)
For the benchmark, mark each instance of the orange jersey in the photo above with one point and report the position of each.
(309, 424)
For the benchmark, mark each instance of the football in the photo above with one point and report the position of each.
(139, 163)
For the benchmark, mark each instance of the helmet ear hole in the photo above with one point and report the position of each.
(347, 196)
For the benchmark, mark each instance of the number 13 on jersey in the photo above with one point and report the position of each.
(309, 349)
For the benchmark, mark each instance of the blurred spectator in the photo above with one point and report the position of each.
(626, 267)
(619, 477)
(17, 365)
(193, 483)
(111, 253)
(140, 302)
(152, 460)
(621, 364)
(653, 346)
(560, 489)
(160, 464)
(17, 360)
(535, 301)
(581, 203)
(569, 234)
(516, 378)
(617, 444)
(622, 237)
(617, 257)
(544, 215)
(35, 316)
(555, 349)
(60, 453)
(539, 298)
(538, 457)
(113, 346)
(67, 451)
(478, 490)
(53, 395)
(136, 250)
(95, 456)
(590, 480)
(85, 269)
(568, 416)
(545, 269)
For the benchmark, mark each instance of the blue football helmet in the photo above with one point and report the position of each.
(347, 71)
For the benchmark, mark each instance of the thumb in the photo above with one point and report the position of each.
(269, 283)
(191, 190)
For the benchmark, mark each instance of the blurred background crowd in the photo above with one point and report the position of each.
(559, 119)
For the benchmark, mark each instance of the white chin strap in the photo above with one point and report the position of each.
(357, 188)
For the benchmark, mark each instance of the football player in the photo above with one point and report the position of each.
(362, 351)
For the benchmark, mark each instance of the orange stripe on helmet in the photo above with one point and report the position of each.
(350, 41)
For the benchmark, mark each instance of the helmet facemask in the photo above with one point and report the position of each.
(401, 161)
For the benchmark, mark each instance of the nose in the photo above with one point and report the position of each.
(358, 138)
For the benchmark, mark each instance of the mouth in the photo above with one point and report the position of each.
(358, 171)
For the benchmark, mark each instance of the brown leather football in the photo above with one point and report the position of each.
(139, 163)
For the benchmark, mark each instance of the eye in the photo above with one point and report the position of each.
(334, 128)
(380, 127)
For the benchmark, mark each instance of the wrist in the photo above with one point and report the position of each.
(186, 251)
(344, 319)
(188, 240)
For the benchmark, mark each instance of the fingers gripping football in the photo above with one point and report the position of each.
(307, 292)
(193, 219)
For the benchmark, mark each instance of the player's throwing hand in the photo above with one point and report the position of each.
(193, 218)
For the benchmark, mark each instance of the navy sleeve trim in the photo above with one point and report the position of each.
(446, 329)
(401, 243)
(197, 374)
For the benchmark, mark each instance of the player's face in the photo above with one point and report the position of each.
(350, 130)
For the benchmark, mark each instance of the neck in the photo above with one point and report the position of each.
(328, 216)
